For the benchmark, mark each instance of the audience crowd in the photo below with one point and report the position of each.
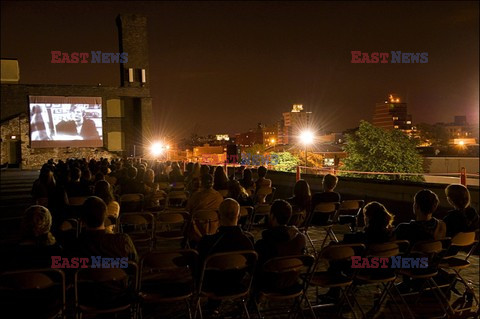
(100, 185)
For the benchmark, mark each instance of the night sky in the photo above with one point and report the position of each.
(223, 67)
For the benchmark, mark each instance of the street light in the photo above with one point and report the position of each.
(306, 137)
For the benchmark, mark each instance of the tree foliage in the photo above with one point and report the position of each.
(286, 162)
(372, 149)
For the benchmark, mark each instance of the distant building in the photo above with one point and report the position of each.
(252, 137)
(393, 114)
(293, 123)
(460, 129)
(270, 136)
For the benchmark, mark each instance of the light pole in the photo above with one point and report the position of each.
(306, 137)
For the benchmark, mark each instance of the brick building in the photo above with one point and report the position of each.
(126, 109)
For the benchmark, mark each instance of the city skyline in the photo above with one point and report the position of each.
(214, 66)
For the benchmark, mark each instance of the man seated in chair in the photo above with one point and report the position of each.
(95, 241)
(262, 181)
(206, 198)
(230, 237)
(425, 226)
(280, 240)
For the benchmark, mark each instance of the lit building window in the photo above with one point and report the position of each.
(396, 126)
(409, 122)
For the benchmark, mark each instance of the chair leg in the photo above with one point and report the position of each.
(311, 243)
(403, 301)
(245, 309)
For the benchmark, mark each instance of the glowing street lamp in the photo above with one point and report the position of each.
(306, 137)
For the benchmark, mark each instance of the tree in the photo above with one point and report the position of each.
(284, 161)
(372, 149)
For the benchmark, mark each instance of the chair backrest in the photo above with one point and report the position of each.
(354, 205)
(203, 222)
(464, 239)
(168, 267)
(164, 186)
(387, 249)
(284, 272)
(77, 201)
(106, 288)
(336, 252)
(218, 270)
(322, 213)
(32, 293)
(176, 198)
(131, 223)
(131, 203)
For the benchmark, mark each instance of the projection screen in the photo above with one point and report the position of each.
(65, 121)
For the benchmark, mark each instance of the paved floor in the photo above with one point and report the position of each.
(15, 197)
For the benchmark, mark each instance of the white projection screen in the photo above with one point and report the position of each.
(65, 121)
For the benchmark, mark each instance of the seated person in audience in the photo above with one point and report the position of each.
(425, 226)
(37, 244)
(378, 226)
(86, 181)
(220, 179)
(229, 237)
(77, 188)
(206, 197)
(301, 202)
(109, 175)
(176, 175)
(247, 181)
(238, 193)
(329, 183)
(95, 241)
(328, 195)
(262, 181)
(131, 185)
(464, 218)
(280, 239)
(103, 191)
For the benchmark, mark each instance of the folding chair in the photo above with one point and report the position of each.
(349, 212)
(131, 203)
(74, 206)
(457, 263)
(106, 290)
(261, 211)
(33, 293)
(245, 217)
(322, 216)
(140, 227)
(178, 186)
(176, 199)
(167, 277)
(227, 276)
(283, 279)
(171, 225)
(327, 272)
(203, 222)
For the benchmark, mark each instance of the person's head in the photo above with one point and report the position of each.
(36, 224)
(302, 190)
(149, 176)
(329, 182)
(206, 181)
(94, 212)
(235, 190)
(247, 174)
(262, 171)
(425, 203)
(78, 111)
(458, 196)
(219, 175)
(103, 190)
(86, 174)
(131, 172)
(46, 175)
(377, 217)
(228, 212)
(280, 212)
(204, 170)
(75, 174)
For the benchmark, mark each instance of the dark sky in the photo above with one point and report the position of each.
(224, 66)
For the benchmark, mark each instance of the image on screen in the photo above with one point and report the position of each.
(57, 121)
